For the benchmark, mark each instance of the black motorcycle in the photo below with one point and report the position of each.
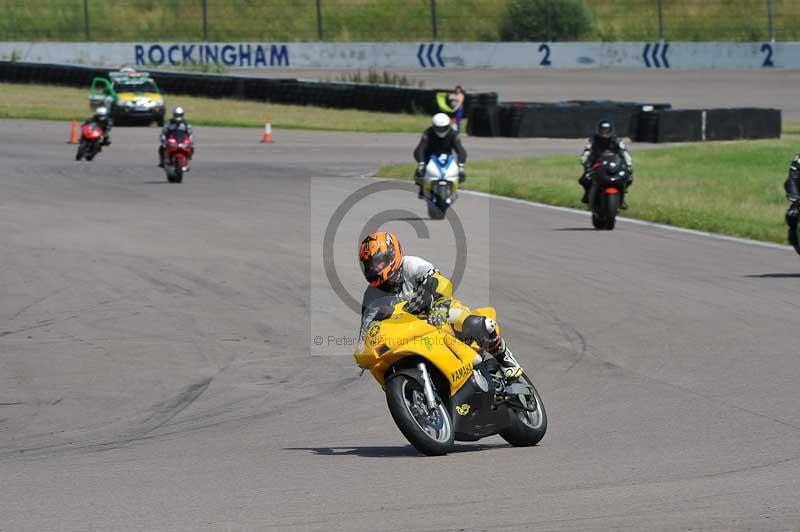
(609, 176)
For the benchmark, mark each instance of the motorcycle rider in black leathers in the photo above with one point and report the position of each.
(101, 118)
(438, 139)
(394, 277)
(604, 140)
(176, 123)
(792, 184)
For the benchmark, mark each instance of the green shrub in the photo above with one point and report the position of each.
(546, 20)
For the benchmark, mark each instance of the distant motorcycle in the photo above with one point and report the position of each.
(91, 141)
(792, 217)
(179, 152)
(608, 175)
(440, 185)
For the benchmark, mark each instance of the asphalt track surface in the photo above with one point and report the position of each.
(684, 89)
(158, 370)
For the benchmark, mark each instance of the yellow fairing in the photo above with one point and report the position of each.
(404, 335)
(135, 96)
(444, 288)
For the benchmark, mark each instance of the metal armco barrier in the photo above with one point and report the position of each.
(384, 98)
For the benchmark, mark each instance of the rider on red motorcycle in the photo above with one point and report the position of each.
(101, 118)
(176, 123)
(603, 140)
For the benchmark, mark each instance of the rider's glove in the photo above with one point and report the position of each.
(461, 174)
(438, 314)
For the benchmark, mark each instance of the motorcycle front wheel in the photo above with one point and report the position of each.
(177, 174)
(430, 432)
(527, 426)
(612, 208)
(437, 208)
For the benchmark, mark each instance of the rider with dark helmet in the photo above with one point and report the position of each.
(394, 277)
(438, 139)
(176, 123)
(792, 184)
(603, 140)
(101, 118)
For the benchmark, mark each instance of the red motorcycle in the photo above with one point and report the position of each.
(91, 141)
(609, 176)
(179, 152)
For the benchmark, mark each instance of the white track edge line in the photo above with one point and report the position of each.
(694, 232)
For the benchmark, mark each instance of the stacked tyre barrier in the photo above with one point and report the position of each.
(368, 97)
(640, 121)
(572, 119)
(709, 124)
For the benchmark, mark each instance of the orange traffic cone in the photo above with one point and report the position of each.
(267, 136)
(73, 134)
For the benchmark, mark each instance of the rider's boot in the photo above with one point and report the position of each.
(161, 157)
(586, 187)
(419, 193)
(624, 204)
(511, 368)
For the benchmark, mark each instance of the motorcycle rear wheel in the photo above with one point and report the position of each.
(527, 428)
(431, 433)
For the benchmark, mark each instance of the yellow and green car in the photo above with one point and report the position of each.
(129, 96)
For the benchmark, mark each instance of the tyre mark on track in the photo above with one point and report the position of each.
(168, 410)
(39, 325)
(161, 414)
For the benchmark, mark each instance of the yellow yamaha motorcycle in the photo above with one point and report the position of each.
(440, 389)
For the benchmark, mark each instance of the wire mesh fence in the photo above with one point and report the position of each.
(398, 20)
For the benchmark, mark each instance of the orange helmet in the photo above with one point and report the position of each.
(380, 256)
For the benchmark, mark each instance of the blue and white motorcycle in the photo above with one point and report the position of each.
(440, 185)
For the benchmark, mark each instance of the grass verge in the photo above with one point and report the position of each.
(733, 188)
(47, 102)
(277, 21)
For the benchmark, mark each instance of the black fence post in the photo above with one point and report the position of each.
(433, 19)
(205, 20)
(771, 11)
(319, 20)
(660, 20)
(86, 20)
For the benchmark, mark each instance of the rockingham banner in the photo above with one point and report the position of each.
(423, 55)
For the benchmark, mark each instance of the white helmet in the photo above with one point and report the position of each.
(177, 113)
(101, 112)
(441, 124)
